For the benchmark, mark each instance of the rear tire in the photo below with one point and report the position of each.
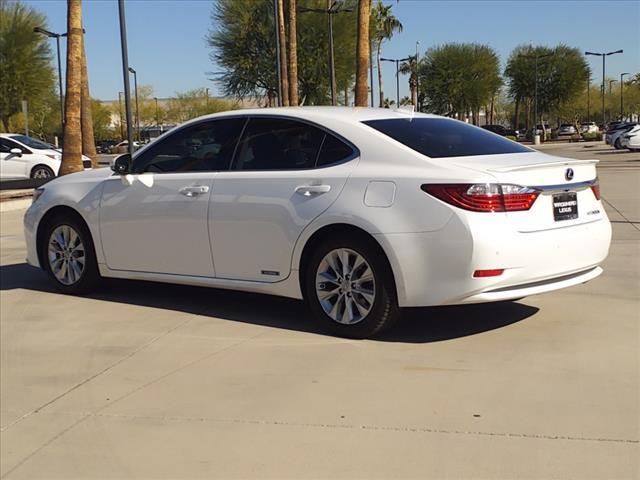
(617, 145)
(356, 286)
(42, 171)
(68, 255)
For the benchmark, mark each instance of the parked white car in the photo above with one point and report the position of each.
(589, 127)
(25, 157)
(614, 137)
(631, 139)
(359, 211)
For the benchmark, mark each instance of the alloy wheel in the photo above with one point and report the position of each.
(345, 286)
(66, 255)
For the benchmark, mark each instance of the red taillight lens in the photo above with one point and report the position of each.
(484, 197)
(595, 188)
(496, 272)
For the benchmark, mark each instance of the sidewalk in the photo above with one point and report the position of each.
(15, 199)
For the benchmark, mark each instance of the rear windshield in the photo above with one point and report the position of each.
(443, 137)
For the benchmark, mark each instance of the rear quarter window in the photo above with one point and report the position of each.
(443, 137)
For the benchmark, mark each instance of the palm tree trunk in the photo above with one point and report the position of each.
(283, 55)
(86, 117)
(516, 120)
(362, 53)
(293, 54)
(72, 138)
(379, 64)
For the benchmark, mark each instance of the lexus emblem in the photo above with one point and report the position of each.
(568, 174)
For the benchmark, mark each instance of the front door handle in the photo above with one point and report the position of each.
(309, 190)
(194, 190)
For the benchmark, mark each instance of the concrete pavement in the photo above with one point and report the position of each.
(161, 381)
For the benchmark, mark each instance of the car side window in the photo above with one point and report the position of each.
(204, 147)
(7, 145)
(278, 144)
(333, 151)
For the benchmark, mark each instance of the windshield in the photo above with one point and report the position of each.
(32, 142)
(443, 137)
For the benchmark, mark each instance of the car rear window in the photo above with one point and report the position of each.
(443, 137)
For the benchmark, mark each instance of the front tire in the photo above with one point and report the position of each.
(349, 287)
(42, 171)
(69, 256)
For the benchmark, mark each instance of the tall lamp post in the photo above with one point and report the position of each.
(157, 114)
(610, 82)
(604, 56)
(417, 75)
(57, 37)
(135, 86)
(121, 122)
(397, 62)
(332, 9)
(125, 74)
(589, 98)
(621, 97)
(535, 101)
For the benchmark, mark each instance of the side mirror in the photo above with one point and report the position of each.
(121, 164)
(16, 151)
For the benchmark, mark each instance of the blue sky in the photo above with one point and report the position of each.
(167, 38)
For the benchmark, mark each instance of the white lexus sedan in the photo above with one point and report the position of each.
(358, 211)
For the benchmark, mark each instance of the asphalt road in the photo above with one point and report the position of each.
(160, 381)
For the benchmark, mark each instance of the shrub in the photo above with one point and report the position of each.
(511, 137)
(591, 137)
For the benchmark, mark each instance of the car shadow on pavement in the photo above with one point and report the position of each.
(417, 325)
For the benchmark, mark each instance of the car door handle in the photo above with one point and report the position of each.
(309, 190)
(194, 190)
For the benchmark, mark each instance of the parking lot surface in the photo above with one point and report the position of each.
(159, 381)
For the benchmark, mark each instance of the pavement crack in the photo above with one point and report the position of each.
(633, 224)
(97, 413)
(95, 375)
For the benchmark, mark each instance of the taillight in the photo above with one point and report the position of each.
(484, 197)
(595, 188)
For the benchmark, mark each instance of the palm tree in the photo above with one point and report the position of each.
(362, 53)
(410, 68)
(283, 55)
(72, 140)
(86, 117)
(293, 54)
(384, 25)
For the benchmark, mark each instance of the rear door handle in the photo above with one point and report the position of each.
(194, 190)
(309, 190)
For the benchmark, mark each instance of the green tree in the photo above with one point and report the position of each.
(242, 42)
(25, 59)
(101, 117)
(458, 79)
(243, 46)
(194, 103)
(410, 67)
(382, 26)
(562, 76)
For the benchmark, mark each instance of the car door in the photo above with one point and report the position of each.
(157, 223)
(13, 166)
(285, 173)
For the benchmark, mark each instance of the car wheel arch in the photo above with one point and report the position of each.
(341, 229)
(58, 210)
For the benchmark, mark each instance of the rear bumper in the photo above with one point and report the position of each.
(436, 268)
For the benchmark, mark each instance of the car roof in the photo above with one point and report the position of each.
(323, 114)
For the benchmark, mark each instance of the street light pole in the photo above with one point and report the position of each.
(535, 101)
(331, 10)
(206, 90)
(397, 62)
(602, 91)
(589, 98)
(57, 37)
(621, 97)
(125, 74)
(121, 122)
(157, 114)
(135, 86)
(417, 75)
